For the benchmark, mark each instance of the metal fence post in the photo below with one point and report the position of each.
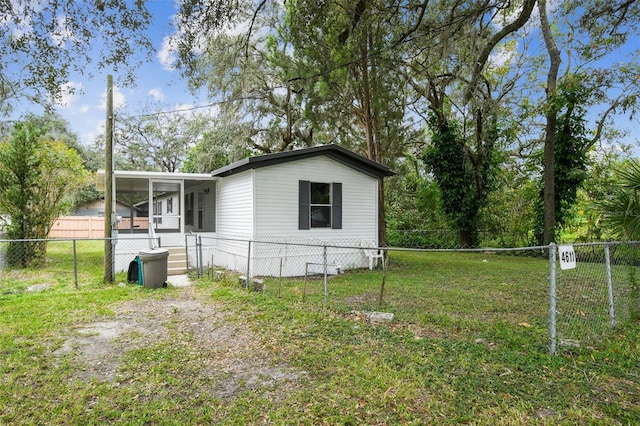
(385, 266)
(552, 298)
(326, 284)
(75, 263)
(200, 254)
(607, 258)
(186, 249)
(198, 265)
(248, 282)
(113, 258)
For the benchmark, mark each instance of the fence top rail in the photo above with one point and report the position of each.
(24, 240)
(604, 243)
(345, 246)
(470, 250)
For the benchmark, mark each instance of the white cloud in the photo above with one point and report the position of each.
(504, 54)
(119, 100)
(89, 136)
(238, 28)
(156, 94)
(186, 110)
(68, 94)
(61, 32)
(17, 20)
(167, 53)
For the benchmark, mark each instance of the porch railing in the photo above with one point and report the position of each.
(152, 235)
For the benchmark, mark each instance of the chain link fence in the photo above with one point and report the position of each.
(600, 292)
(47, 263)
(450, 239)
(433, 292)
(464, 289)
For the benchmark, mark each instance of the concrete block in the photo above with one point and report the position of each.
(379, 317)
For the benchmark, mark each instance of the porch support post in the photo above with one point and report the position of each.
(182, 207)
(151, 233)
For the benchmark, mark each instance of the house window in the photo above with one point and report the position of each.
(170, 205)
(320, 205)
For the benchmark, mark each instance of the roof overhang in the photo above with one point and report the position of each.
(335, 152)
(137, 181)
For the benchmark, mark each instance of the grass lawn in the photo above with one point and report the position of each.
(468, 345)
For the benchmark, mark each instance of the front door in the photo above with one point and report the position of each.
(165, 211)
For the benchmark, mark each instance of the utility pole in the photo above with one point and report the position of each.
(108, 184)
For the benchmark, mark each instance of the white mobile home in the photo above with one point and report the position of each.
(326, 195)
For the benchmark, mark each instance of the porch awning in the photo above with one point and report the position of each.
(137, 181)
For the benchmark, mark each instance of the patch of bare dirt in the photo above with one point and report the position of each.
(229, 355)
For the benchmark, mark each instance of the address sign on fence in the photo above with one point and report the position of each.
(567, 257)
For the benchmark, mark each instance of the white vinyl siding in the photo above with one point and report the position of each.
(235, 206)
(277, 189)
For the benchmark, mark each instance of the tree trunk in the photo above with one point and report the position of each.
(549, 196)
(466, 239)
(373, 142)
(382, 222)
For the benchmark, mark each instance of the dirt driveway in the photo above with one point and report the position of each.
(227, 355)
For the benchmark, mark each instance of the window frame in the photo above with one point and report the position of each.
(305, 207)
(324, 207)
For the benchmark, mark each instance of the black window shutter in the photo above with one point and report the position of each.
(304, 201)
(336, 206)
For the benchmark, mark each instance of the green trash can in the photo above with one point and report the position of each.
(154, 267)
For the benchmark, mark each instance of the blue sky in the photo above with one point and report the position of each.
(156, 84)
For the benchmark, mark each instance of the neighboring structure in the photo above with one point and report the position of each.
(87, 220)
(326, 195)
(96, 208)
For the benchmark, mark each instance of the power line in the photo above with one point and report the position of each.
(197, 107)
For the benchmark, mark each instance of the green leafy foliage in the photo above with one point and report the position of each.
(38, 176)
(571, 149)
(463, 176)
(52, 39)
(157, 142)
(446, 159)
(414, 217)
(621, 208)
(509, 215)
(363, 74)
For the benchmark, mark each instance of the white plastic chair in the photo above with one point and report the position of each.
(373, 252)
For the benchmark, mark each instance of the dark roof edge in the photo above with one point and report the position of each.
(335, 152)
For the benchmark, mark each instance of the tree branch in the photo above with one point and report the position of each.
(253, 21)
(525, 14)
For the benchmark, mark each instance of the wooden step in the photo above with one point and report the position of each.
(177, 261)
(176, 271)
